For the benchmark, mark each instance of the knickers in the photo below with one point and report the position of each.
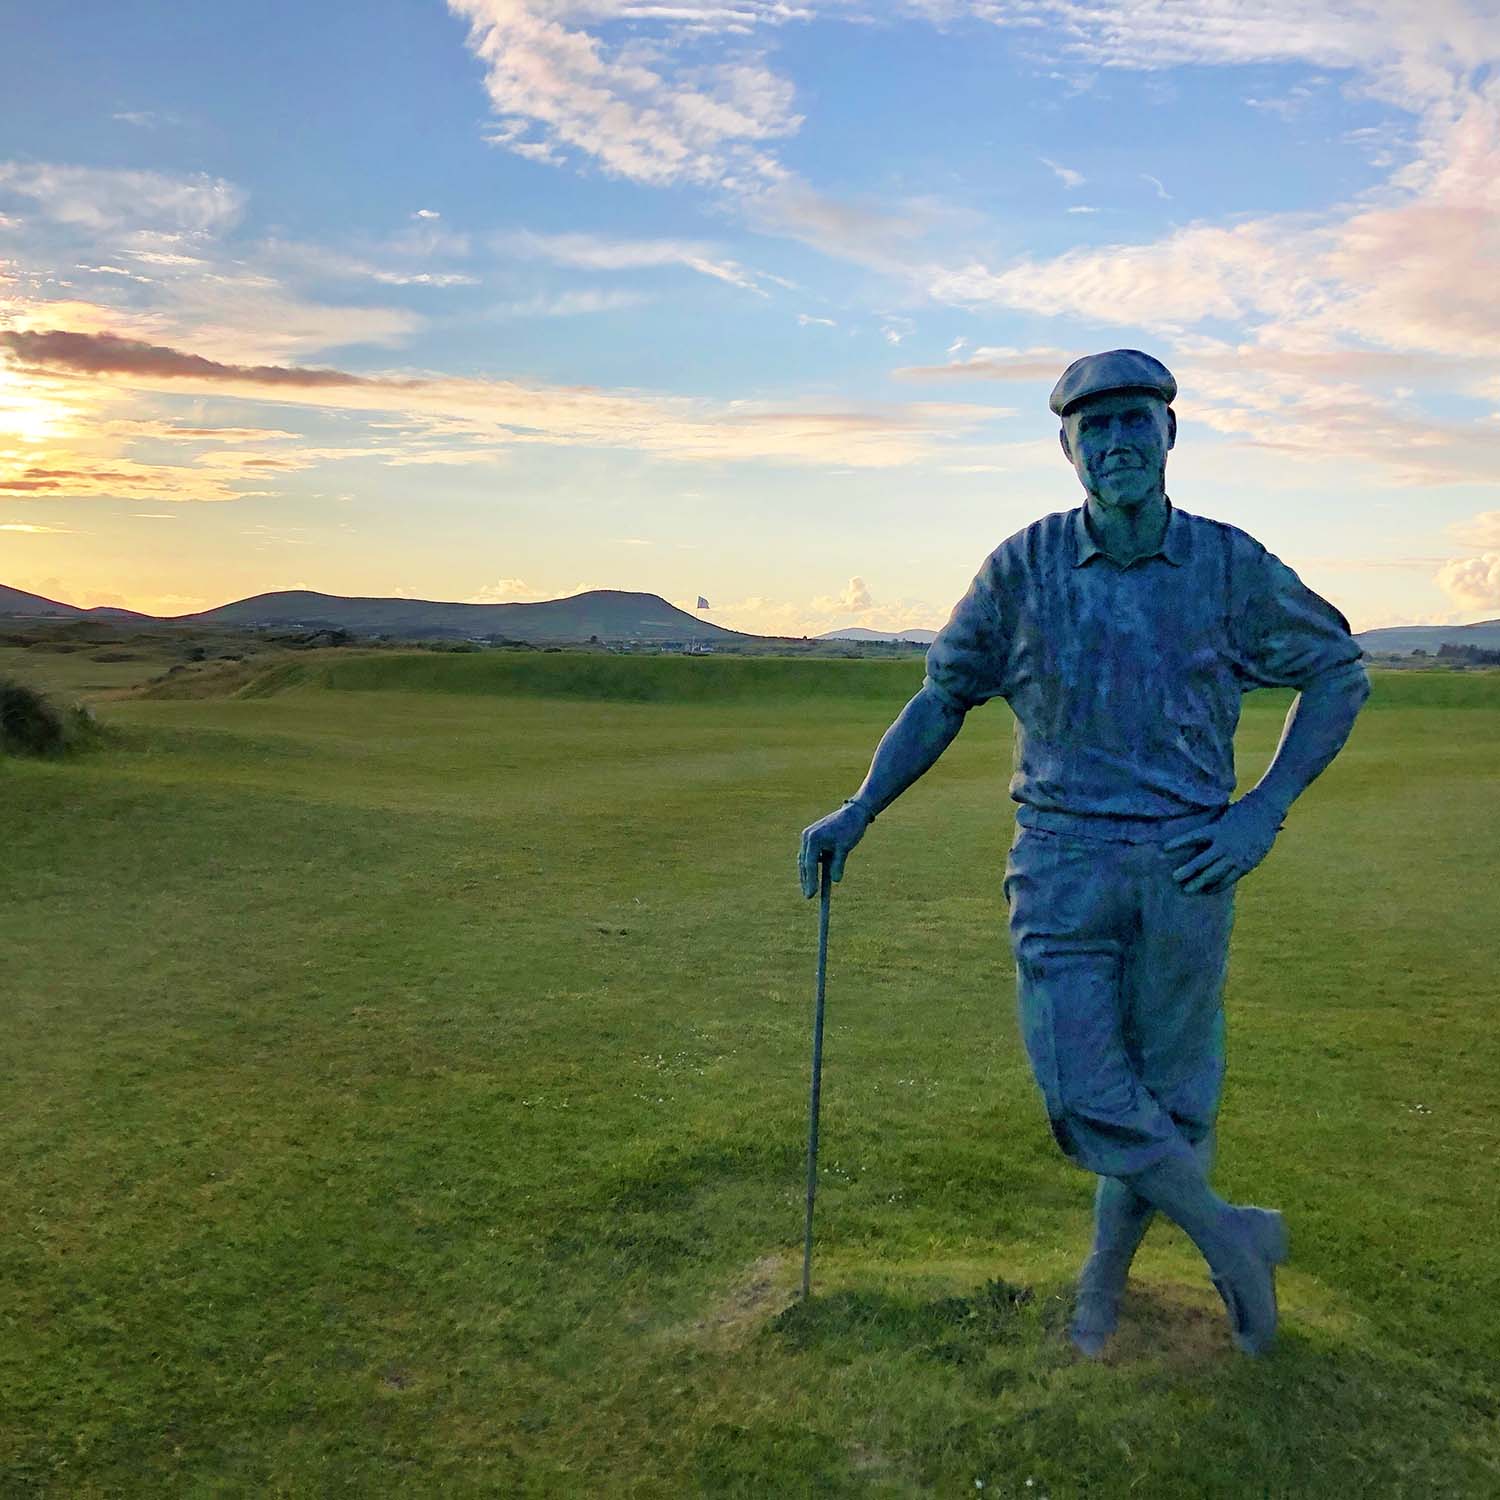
(1119, 980)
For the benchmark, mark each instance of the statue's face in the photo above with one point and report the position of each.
(1118, 442)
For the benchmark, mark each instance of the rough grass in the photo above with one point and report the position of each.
(628, 679)
(405, 1095)
(33, 723)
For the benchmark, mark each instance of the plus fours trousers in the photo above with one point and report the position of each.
(1119, 981)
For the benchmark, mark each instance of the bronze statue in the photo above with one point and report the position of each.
(1123, 634)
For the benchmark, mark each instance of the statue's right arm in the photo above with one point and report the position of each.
(911, 746)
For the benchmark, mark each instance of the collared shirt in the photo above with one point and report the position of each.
(1125, 682)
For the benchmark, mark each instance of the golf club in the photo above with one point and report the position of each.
(825, 892)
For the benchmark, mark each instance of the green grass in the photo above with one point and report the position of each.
(75, 673)
(405, 1094)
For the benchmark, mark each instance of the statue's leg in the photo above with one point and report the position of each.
(1119, 974)
(1174, 1029)
(1121, 1219)
(1072, 918)
(1243, 1246)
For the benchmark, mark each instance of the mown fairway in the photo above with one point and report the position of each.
(405, 1084)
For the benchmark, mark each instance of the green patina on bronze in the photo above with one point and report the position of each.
(1123, 635)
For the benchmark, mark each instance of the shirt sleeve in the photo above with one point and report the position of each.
(1288, 634)
(966, 663)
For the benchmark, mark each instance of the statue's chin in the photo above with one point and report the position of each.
(1126, 496)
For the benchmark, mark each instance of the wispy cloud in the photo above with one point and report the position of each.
(513, 412)
(560, 90)
(98, 199)
(1065, 175)
(1482, 530)
(326, 262)
(582, 301)
(146, 119)
(993, 363)
(593, 252)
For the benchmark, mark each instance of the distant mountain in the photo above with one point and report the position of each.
(18, 602)
(1402, 640)
(859, 633)
(610, 614)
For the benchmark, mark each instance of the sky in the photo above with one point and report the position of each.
(758, 300)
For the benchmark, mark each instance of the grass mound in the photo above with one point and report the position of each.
(627, 679)
(607, 678)
(32, 724)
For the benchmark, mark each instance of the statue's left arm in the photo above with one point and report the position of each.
(1317, 724)
(1288, 637)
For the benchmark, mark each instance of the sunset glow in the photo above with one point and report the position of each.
(746, 302)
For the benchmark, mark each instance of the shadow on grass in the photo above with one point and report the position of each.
(990, 1385)
(953, 1330)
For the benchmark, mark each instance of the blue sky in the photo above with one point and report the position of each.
(500, 299)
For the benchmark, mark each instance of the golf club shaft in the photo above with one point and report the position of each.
(825, 892)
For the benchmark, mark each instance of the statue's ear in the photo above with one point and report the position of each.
(1062, 437)
(1171, 428)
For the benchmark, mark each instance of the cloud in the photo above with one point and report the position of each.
(319, 260)
(994, 363)
(112, 271)
(1403, 51)
(570, 304)
(1196, 274)
(866, 233)
(1482, 530)
(855, 598)
(807, 320)
(1472, 583)
(123, 478)
(1287, 106)
(134, 429)
(107, 354)
(766, 616)
(592, 252)
(426, 213)
(560, 89)
(518, 591)
(100, 199)
(37, 530)
(507, 591)
(1065, 175)
(512, 412)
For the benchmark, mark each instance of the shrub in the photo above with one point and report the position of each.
(31, 724)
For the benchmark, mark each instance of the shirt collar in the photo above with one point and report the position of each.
(1174, 540)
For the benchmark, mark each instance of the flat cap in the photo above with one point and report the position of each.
(1114, 370)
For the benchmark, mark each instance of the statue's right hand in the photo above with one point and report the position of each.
(830, 838)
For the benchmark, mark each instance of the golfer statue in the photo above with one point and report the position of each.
(1122, 634)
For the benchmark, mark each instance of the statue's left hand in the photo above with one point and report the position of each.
(1228, 848)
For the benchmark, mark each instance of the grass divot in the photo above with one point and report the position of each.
(760, 1294)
